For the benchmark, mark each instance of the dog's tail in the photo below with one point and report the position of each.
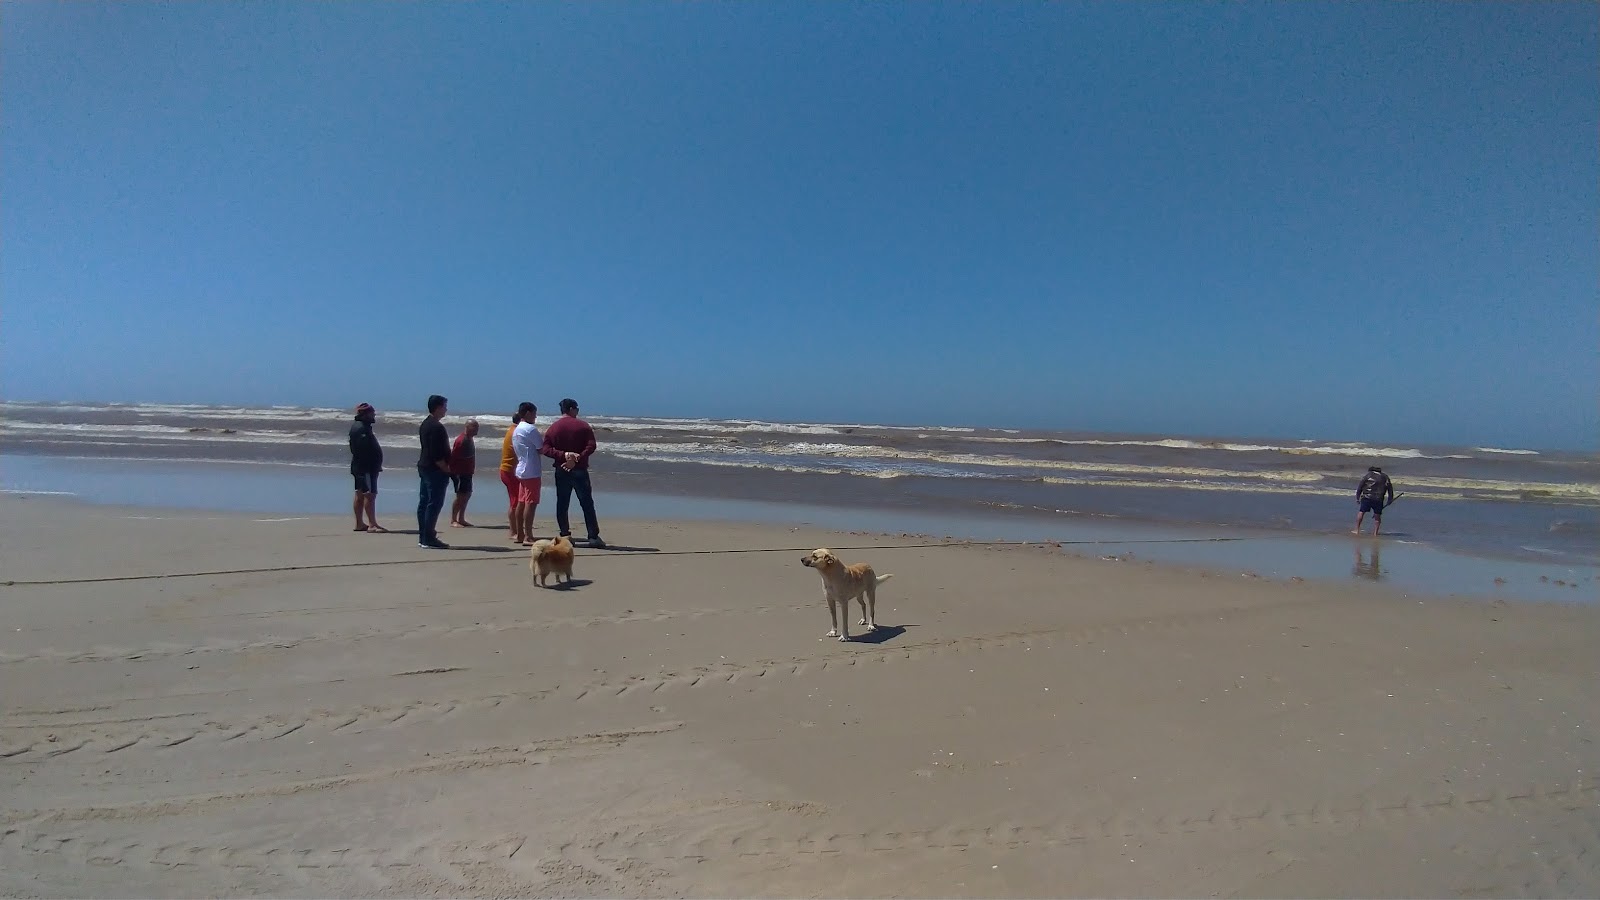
(883, 578)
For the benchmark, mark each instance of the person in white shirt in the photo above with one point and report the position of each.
(526, 443)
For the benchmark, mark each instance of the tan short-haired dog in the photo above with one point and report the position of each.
(546, 557)
(841, 584)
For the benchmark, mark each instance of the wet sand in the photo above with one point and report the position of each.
(339, 714)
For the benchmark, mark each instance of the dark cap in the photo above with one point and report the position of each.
(568, 405)
(1373, 469)
(364, 408)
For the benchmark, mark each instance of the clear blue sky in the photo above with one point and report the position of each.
(1372, 221)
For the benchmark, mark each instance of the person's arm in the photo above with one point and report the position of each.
(588, 445)
(442, 450)
(549, 448)
(1388, 486)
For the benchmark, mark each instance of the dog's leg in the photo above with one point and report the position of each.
(833, 617)
(861, 601)
(872, 607)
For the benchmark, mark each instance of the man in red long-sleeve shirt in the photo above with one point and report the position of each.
(570, 442)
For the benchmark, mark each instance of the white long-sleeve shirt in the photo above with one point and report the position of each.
(526, 442)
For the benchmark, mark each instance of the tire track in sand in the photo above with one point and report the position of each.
(1579, 795)
(527, 754)
(42, 840)
(167, 650)
(43, 742)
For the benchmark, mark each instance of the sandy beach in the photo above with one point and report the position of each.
(197, 704)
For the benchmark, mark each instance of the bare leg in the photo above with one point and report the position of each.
(372, 514)
(1377, 525)
(461, 516)
(517, 532)
(525, 523)
(360, 508)
(1360, 517)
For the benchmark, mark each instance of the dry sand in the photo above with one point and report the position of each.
(384, 721)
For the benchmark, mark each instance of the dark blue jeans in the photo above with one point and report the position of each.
(566, 483)
(430, 499)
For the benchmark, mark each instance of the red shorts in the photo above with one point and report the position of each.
(528, 491)
(508, 477)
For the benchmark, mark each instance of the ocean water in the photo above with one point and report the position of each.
(1494, 504)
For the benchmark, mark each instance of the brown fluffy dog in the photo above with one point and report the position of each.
(546, 557)
(841, 584)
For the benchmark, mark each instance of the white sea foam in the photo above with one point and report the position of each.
(184, 410)
(723, 443)
(1330, 449)
(150, 432)
(1506, 452)
(694, 452)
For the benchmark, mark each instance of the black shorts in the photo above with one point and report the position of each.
(366, 483)
(463, 483)
(1372, 505)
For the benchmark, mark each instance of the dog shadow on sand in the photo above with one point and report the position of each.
(570, 584)
(883, 635)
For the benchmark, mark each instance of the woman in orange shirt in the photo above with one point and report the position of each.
(508, 475)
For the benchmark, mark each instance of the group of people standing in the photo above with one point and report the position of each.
(568, 442)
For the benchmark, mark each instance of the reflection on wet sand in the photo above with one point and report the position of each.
(1368, 563)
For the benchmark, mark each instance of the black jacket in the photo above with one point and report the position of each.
(366, 457)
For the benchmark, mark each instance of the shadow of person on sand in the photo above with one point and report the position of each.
(883, 635)
(475, 548)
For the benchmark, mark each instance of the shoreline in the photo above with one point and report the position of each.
(336, 714)
(1398, 560)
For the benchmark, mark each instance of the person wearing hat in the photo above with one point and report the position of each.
(570, 442)
(463, 464)
(366, 461)
(1373, 493)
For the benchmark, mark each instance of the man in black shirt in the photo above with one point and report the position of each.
(366, 461)
(433, 468)
(1373, 493)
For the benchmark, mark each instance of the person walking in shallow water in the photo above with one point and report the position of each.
(1373, 493)
(433, 473)
(366, 461)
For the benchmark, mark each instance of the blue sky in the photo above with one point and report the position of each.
(1366, 221)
